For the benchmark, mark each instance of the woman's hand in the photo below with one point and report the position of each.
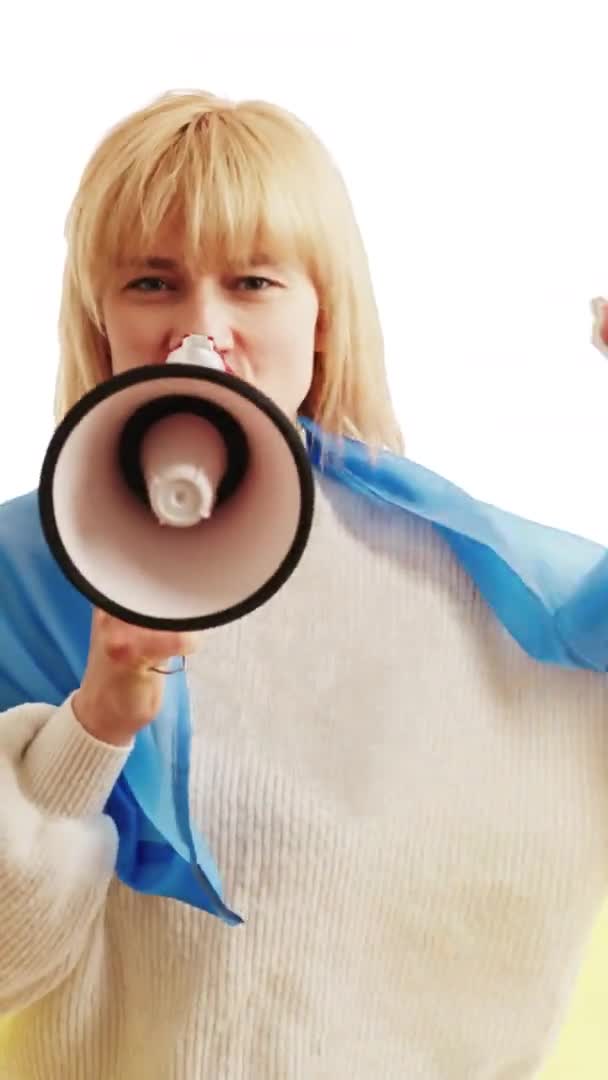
(120, 693)
(599, 307)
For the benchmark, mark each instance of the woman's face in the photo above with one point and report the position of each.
(262, 318)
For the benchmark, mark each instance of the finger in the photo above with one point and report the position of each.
(129, 644)
(599, 307)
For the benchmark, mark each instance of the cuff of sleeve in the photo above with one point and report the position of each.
(66, 771)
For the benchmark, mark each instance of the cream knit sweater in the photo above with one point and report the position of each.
(410, 813)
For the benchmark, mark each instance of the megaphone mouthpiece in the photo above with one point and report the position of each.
(184, 461)
(178, 432)
(197, 349)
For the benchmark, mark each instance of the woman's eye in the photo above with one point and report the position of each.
(148, 284)
(252, 283)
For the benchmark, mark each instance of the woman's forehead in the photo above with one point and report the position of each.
(210, 249)
(176, 260)
(214, 240)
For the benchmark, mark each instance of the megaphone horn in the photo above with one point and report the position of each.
(177, 496)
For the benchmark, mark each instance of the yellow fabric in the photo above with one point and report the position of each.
(582, 1050)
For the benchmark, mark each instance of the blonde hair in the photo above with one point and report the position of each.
(236, 179)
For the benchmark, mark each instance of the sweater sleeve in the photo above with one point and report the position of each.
(57, 847)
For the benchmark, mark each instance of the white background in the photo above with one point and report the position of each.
(473, 139)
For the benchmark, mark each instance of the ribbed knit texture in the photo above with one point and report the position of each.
(409, 812)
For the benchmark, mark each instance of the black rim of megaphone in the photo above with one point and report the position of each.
(176, 371)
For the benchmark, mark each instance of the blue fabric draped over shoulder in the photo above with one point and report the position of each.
(547, 587)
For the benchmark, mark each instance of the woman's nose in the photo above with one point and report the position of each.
(206, 314)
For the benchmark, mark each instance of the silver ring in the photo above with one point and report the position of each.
(171, 671)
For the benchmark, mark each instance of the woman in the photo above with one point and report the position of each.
(410, 813)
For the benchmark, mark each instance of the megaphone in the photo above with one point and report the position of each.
(177, 496)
